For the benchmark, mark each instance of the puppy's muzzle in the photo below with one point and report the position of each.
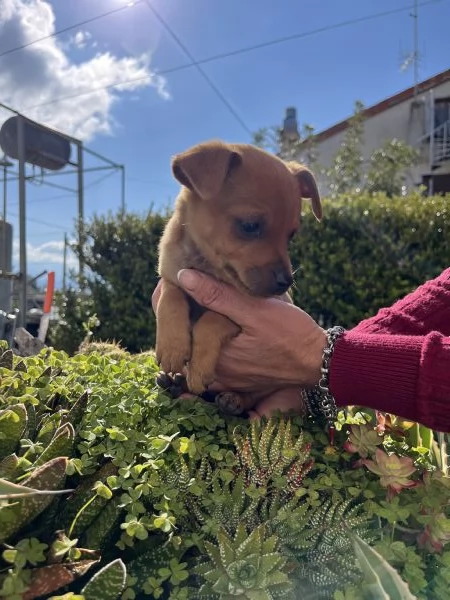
(274, 280)
(282, 281)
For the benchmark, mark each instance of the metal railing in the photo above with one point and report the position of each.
(440, 144)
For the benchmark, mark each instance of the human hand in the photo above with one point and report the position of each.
(280, 346)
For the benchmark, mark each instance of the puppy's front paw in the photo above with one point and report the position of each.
(231, 403)
(198, 380)
(173, 355)
(175, 385)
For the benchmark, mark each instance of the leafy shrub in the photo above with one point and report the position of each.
(75, 310)
(155, 498)
(367, 252)
(120, 258)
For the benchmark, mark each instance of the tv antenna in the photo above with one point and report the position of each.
(412, 58)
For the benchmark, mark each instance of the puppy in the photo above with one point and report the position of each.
(237, 210)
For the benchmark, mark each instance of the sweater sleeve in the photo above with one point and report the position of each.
(424, 310)
(408, 376)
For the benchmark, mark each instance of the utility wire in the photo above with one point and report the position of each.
(75, 26)
(100, 179)
(239, 51)
(45, 223)
(196, 64)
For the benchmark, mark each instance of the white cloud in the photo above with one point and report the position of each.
(42, 72)
(49, 253)
(81, 38)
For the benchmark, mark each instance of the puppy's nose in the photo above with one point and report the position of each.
(283, 280)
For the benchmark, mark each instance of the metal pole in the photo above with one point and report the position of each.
(64, 173)
(5, 246)
(64, 264)
(122, 169)
(22, 317)
(80, 209)
(97, 155)
(416, 48)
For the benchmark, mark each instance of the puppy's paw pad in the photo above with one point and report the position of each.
(230, 402)
(173, 360)
(175, 385)
(164, 380)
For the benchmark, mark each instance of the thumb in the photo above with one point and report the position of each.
(215, 295)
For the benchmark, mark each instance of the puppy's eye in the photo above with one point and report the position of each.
(249, 229)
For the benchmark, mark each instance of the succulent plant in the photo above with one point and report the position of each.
(244, 566)
(393, 471)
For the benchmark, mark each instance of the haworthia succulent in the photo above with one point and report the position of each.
(6, 360)
(60, 445)
(8, 467)
(83, 493)
(46, 580)
(77, 411)
(13, 421)
(97, 533)
(50, 476)
(21, 366)
(108, 583)
(47, 429)
(31, 421)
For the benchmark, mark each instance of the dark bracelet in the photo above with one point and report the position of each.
(319, 401)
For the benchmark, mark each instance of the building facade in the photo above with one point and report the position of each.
(419, 116)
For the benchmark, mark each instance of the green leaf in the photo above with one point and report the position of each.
(109, 582)
(381, 580)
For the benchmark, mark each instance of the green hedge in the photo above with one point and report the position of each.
(367, 252)
(121, 258)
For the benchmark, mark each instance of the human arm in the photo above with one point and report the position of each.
(408, 376)
(424, 310)
(405, 375)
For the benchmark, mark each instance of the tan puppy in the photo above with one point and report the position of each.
(237, 210)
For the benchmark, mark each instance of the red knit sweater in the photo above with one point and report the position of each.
(399, 360)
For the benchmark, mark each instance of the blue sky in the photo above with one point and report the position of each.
(143, 125)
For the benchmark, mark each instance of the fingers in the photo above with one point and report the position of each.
(156, 295)
(218, 297)
(284, 400)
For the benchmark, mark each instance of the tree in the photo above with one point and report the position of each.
(74, 310)
(121, 258)
(346, 172)
(387, 167)
(303, 149)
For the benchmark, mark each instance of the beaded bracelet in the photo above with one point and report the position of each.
(319, 401)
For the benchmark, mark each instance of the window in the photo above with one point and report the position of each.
(441, 112)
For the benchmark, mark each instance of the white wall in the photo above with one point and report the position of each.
(399, 121)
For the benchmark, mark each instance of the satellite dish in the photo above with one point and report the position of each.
(43, 147)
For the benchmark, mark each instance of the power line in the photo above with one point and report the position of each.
(239, 51)
(75, 26)
(39, 222)
(100, 179)
(33, 201)
(195, 63)
(41, 235)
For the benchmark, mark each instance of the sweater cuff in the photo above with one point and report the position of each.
(376, 371)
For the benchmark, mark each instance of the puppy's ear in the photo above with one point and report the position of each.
(308, 186)
(204, 168)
